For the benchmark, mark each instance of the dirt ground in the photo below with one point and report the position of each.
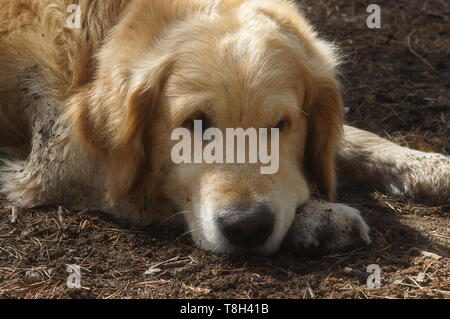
(397, 82)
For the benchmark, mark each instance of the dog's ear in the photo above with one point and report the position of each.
(111, 117)
(316, 61)
(325, 123)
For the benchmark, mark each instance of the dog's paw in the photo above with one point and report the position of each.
(18, 184)
(425, 177)
(320, 227)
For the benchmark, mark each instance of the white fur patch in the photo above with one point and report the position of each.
(328, 226)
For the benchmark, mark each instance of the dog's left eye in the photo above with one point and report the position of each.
(190, 122)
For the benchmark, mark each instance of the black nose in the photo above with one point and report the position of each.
(246, 225)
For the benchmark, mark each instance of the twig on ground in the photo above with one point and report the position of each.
(14, 214)
(170, 263)
(417, 251)
(408, 41)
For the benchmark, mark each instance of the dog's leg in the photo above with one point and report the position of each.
(368, 160)
(59, 171)
(321, 227)
(47, 175)
(54, 170)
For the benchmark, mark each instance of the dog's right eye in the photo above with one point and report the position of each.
(205, 121)
(282, 124)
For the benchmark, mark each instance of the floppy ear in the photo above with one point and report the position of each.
(316, 60)
(325, 125)
(111, 117)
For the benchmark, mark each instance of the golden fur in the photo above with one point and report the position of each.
(88, 112)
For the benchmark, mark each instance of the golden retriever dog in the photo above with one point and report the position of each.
(87, 115)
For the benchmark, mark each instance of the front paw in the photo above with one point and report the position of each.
(320, 227)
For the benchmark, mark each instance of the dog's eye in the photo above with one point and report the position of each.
(205, 121)
(282, 125)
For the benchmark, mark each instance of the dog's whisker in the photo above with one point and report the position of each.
(299, 108)
(197, 225)
(215, 248)
(173, 216)
(187, 233)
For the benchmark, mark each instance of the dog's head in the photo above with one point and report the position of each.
(247, 66)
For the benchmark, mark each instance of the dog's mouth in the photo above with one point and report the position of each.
(241, 229)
